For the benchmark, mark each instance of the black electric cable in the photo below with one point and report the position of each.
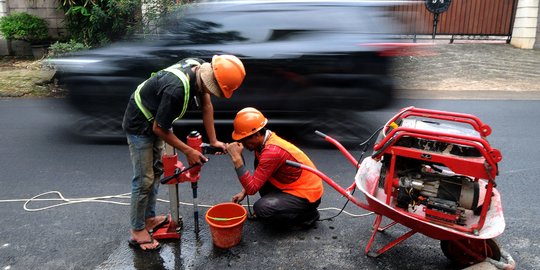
(365, 144)
(250, 213)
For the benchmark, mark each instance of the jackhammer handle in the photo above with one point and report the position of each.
(207, 149)
(169, 178)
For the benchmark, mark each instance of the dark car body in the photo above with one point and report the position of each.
(303, 59)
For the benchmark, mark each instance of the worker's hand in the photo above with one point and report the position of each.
(235, 149)
(239, 197)
(220, 145)
(195, 157)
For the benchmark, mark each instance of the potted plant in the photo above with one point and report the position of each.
(26, 27)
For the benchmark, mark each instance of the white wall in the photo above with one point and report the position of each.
(525, 24)
(537, 44)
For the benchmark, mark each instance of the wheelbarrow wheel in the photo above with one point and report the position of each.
(466, 252)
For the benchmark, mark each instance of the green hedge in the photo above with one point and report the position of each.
(24, 26)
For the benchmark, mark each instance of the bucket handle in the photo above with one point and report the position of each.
(226, 219)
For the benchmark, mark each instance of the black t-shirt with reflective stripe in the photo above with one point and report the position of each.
(163, 96)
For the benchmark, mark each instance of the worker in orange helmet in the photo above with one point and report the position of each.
(148, 119)
(289, 195)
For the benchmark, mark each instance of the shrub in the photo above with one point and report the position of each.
(97, 23)
(24, 26)
(60, 48)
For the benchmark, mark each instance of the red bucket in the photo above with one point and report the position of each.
(226, 222)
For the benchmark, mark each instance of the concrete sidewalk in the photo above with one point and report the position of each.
(470, 71)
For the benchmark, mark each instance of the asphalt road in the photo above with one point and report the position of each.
(39, 156)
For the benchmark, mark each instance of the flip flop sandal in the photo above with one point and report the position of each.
(137, 245)
(161, 224)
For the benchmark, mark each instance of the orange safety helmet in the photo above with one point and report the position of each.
(229, 73)
(248, 121)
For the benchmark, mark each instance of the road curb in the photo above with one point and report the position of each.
(468, 94)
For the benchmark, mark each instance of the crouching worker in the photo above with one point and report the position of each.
(148, 120)
(289, 195)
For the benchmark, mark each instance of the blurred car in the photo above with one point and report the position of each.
(307, 62)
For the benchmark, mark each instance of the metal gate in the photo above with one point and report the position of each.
(464, 19)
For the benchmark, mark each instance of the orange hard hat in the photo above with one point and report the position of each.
(229, 73)
(248, 121)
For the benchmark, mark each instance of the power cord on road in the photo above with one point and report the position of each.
(110, 199)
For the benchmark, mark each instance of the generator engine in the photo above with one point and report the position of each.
(445, 195)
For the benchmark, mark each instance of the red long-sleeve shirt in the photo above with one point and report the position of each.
(271, 162)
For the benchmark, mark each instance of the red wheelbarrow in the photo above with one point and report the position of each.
(433, 172)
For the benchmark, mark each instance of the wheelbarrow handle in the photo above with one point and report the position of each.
(320, 134)
(341, 148)
(293, 163)
(329, 181)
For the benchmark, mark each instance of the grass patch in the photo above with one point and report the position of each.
(24, 77)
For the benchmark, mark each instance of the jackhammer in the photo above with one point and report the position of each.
(175, 173)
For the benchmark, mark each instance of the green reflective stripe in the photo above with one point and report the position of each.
(143, 109)
(185, 81)
(173, 69)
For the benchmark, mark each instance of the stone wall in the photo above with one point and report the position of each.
(46, 9)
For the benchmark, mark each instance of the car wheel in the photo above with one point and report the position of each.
(98, 127)
(348, 127)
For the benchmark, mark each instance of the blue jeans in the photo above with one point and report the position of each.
(145, 152)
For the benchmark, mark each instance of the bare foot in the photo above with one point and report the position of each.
(143, 238)
(152, 223)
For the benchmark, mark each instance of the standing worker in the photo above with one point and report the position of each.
(289, 195)
(148, 119)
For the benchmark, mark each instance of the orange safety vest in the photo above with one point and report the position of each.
(308, 185)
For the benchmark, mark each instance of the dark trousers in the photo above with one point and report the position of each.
(282, 209)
